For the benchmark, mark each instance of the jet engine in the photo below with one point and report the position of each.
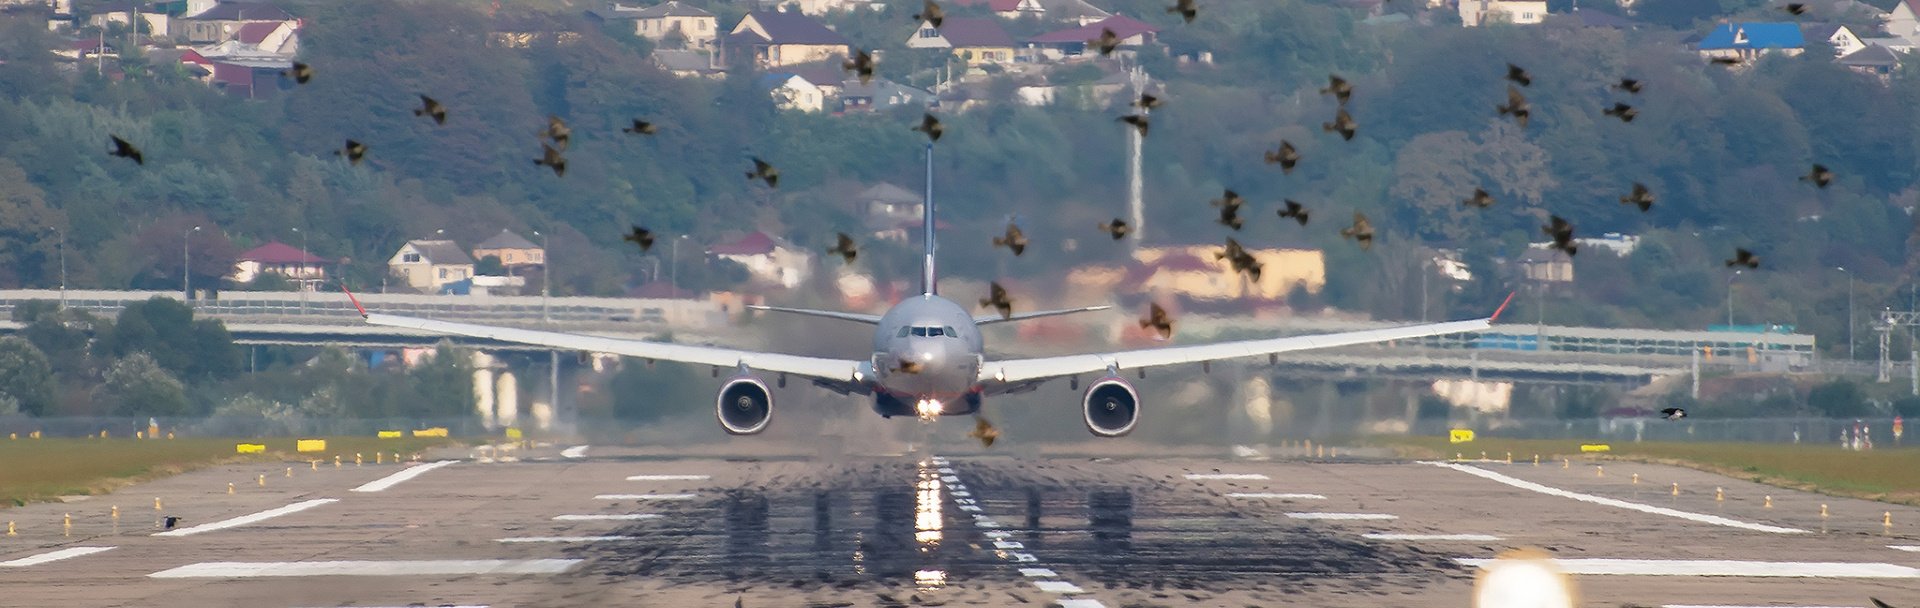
(1111, 407)
(744, 406)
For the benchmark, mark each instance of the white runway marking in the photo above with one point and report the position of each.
(1611, 502)
(1004, 544)
(424, 606)
(248, 519)
(669, 477)
(644, 497)
(1465, 537)
(1080, 604)
(1343, 516)
(1241, 476)
(1276, 496)
(1037, 573)
(1058, 587)
(445, 567)
(404, 474)
(578, 451)
(52, 556)
(1907, 548)
(614, 517)
(1720, 606)
(562, 539)
(1716, 567)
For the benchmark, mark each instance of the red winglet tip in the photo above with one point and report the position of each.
(1503, 307)
(354, 300)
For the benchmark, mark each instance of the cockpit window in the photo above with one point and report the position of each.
(920, 332)
(952, 333)
(903, 331)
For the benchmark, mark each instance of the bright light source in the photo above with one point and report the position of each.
(927, 408)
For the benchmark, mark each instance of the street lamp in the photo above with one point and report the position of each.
(186, 266)
(546, 274)
(302, 270)
(1849, 310)
(1730, 279)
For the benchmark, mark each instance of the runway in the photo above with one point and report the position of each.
(611, 526)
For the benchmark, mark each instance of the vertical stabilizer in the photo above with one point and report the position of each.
(928, 278)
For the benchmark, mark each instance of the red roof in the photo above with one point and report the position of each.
(1122, 26)
(756, 243)
(253, 33)
(277, 252)
(192, 56)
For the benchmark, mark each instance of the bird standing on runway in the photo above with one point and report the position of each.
(169, 522)
(1674, 413)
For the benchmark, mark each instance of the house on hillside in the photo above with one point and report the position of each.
(1748, 41)
(1072, 42)
(154, 22)
(1840, 37)
(1005, 9)
(768, 259)
(775, 39)
(673, 18)
(975, 41)
(795, 92)
(271, 37)
(881, 94)
(1904, 20)
(222, 21)
(689, 64)
(1546, 266)
(430, 265)
(1873, 60)
(1195, 272)
(1474, 13)
(514, 251)
(277, 258)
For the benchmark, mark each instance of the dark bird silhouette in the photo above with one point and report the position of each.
(931, 13)
(1013, 239)
(983, 431)
(1742, 257)
(1117, 228)
(1479, 199)
(764, 172)
(1878, 604)
(1674, 413)
(1726, 61)
(126, 150)
(1796, 9)
(1361, 231)
(1239, 259)
(1186, 9)
(1286, 157)
(1629, 85)
(1561, 231)
(354, 151)
(1640, 196)
(860, 64)
(1229, 204)
(550, 156)
(930, 126)
(1622, 111)
(1343, 123)
(1294, 210)
(1516, 107)
(1139, 122)
(1106, 43)
(168, 522)
(1819, 175)
(300, 72)
(640, 236)
(558, 131)
(641, 127)
(998, 299)
(1146, 102)
(430, 107)
(1158, 320)
(1516, 74)
(845, 248)
(1339, 88)
(739, 602)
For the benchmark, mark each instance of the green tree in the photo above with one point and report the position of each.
(136, 385)
(166, 330)
(26, 378)
(1839, 399)
(444, 384)
(490, 266)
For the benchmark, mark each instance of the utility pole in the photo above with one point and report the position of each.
(186, 266)
(1849, 311)
(1730, 278)
(304, 288)
(546, 275)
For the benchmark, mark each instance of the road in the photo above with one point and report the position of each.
(634, 527)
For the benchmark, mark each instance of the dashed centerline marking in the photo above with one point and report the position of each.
(610, 517)
(248, 519)
(1613, 502)
(448, 567)
(52, 556)
(1463, 537)
(411, 472)
(1037, 573)
(955, 488)
(1276, 496)
(578, 451)
(1907, 548)
(1235, 476)
(1344, 516)
(1062, 587)
(669, 477)
(562, 539)
(644, 497)
(1716, 567)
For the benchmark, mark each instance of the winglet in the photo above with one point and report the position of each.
(363, 309)
(1503, 307)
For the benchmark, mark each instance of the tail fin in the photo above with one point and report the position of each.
(928, 278)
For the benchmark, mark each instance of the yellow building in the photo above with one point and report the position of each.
(777, 39)
(1195, 272)
(975, 41)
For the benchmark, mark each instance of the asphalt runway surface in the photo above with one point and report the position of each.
(617, 526)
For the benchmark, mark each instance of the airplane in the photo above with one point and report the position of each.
(929, 359)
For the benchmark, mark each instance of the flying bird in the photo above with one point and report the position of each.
(1158, 320)
(983, 431)
(1146, 102)
(1517, 74)
(1622, 111)
(1820, 176)
(1516, 106)
(1629, 85)
(764, 172)
(641, 127)
(1742, 257)
(354, 151)
(1795, 8)
(430, 107)
(640, 236)
(1139, 122)
(845, 248)
(1118, 228)
(300, 72)
(1561, 231)
(1239, 259)
(998, 299)
(1727, 61)
(1361, 231)
(862, 64)
(1879, 604)
(1479, 199)
(1294, 210)
(126, 150)
(550, 156)
(1106, 43)
(1339, 88)
(1229, 204)
(558, 131)
(1342, 122)
(931, 13)
(1013, 239)
(930, 126)
(1674, 413)
(1640, 196)
(1286, 157)
(1185, 8)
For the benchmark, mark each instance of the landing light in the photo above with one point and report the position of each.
(927, 408)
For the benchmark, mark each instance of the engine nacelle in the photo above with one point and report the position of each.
(744, 406)
(1111, 407)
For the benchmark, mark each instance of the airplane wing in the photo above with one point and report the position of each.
(829, 314)
(1015, 373)
(839, 370)
(991, 319)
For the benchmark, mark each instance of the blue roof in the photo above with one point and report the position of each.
(1756, 36)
